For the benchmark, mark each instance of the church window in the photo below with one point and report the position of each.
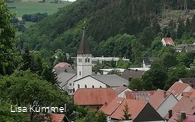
(78, 86)
(88, 60)
(100, 86)
(70, 84)
(85, 86)
(79, 72)
(92, 86)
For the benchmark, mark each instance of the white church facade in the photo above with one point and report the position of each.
(84, 77)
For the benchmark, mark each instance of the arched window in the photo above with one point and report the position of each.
(92, 86)
(78, 86)
(85, 60)
(79, 72)
(100, 86)
(85, 86)
(88, 60)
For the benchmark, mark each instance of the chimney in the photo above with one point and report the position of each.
(183, 116)
(106, 103)
(170, 113)
(191, 105)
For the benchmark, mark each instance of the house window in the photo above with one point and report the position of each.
(78, 86)
(79, 72)
(85, 86)
(70, 84)
(92, 86)
(80, 60)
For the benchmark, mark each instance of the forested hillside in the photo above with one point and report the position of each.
(141, 19)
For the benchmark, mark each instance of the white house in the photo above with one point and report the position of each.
(100, 81)
(121, 91)
(167, 42)
(163, 101)
(178, 88)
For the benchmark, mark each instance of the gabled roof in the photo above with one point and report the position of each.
(115, 108)
(139, 110)
(84, 46)
(94, 96)
(185, 104)
(146, 60)
(158, 98)
(120, 89)
(168, 41)
(176, 116)
(56, 117)
(62, 64)
(139, 95)
(108, 109)
(64, 77)
(111, 80)
(177, 88)
(128, 73)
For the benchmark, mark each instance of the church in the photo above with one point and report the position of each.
(84, 77)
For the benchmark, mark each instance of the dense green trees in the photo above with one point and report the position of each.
(8, 54)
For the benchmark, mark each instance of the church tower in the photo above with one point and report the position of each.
(84, 62)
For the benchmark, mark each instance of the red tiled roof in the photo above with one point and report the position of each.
(190, 94)
(169, 41)
(62, 64)
(135, 108)
(139, 95)
(185, 104)
(177, 88)
(120, 89)
(94, 96)
(157, 98)
(189, 118)
(108, 109)
(56, 117)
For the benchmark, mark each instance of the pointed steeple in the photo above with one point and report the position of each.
(84, 45)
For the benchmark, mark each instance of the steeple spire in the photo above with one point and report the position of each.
(84, 45)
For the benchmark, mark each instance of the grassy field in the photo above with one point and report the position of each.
(35, 7)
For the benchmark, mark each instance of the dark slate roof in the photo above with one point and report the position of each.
(111, 80)
(147, 60)
(84, 46)
(132, 74)
(190, 81)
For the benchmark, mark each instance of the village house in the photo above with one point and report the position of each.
(185, 48)
(182, 116)
(167, 42)
(140, 111)
(147, 61)
(94, 98)
(139, 95)
(128, 74)
(178, 88)
(121, 91)
(163, 101)
(185, 104)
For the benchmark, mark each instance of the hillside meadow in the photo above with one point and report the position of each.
(35, 7)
